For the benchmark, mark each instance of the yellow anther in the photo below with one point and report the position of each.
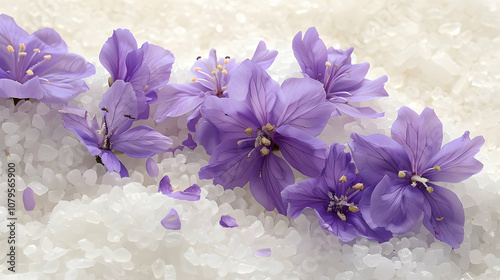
(10, 48)
(249, 131)
(48, 56)
(219, 67)
(343, 179)
(440, 219)
(341, 216)
(328, 64)
(48, 82)
(36, 50)
(197, 69)
(22, 53)
(213, 72)
(22, 47)
(358, 186)
(224, 72)
(268, 128)
(436, 167)
(326, 231)
(401, 174)
(353, 208)
(264, 151)
(29, 72)
(265, 141)
(193, 80)
(226, 60)
(145, 88)
(429, 189)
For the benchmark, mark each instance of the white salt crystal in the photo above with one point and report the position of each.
(56, 195)
(450, 28)
(30, 249)
(38, 121)
(32, 134)
(192, 256)
(42, 109)
(92, 254)
(11, 140)
(405, 255)
(227, 197)
(122, 255)
(346, 275)
(169, 272)
(51, 267)
(372, 260)
(85, 244)
(384, 270)
(387, 248)
(38, 188)
(70, 141)
(280, 227)
(491, 261)
(74, 176)
(66, 156)
(360, 250)
(30, 170)
(158, 268)
(114, 236)
(47, 153)
(80, 263)
(475, 256)
(9, 127)
(90, 176)
(55, 253)
(244, 268)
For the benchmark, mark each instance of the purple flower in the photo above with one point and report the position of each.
(335, 197)
(38, 65)
(227, 221)
(404, 169)
(211, 78)
(147, 68)
(343, 82)
(119, 110)
(171, 220)
(259, 118)
(191, 194)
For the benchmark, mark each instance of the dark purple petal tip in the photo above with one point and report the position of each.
(227, 221)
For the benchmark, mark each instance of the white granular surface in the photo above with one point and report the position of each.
(90, 224)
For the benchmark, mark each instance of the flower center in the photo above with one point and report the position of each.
(263, 142)
(218, 75)
(415, 178)
(340, 205)
(24, 63)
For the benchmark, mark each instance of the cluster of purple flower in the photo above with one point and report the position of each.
(256, 130)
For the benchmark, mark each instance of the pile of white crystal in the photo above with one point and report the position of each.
(92, 224)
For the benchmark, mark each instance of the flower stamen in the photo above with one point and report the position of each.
(47, 57)
(401, 174)
(436, 168)
(358, 186)
(29, 72)
(10, 49)
(22, 47)
(343, 179)
(341, 216)
(249, 131)
(264, 151)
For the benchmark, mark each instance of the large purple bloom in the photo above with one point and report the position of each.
(211, 78)
(259, 118)
(335, 197)
(38, 65)
(404, 169)
(119, 110)
(147, 68)
(343, 82)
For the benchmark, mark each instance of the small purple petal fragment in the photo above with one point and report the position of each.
(227, 221)
(171, 221)
(265, 252)
(190, 194)
(28, 199)
(189, 142)
(165, 187)
(152, 168)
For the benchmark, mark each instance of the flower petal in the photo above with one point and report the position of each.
(357, 112)
(230, 164)
(267, 182)
(303, 151)
(265, 252)
(311, 54)
(152, 168)
(111, 162)
(76, 119)
(378, 233)
(310, 193)
(456, 160)
(119, 106)
(137, 71)
(51, 39)
(368, 89)
(264, 57)
(13, 89)
(159, 62)
(227, 221)
(28, 199)
(190, 194)
(420, 136)
(171, 220)
(189, 142)
(251, 83)
(141, 142)
(377, 155)
(330, 222)
(338, 164)
(303, 105)
(114, 52)
(444, 216)
(396, 205)
(178, 99)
